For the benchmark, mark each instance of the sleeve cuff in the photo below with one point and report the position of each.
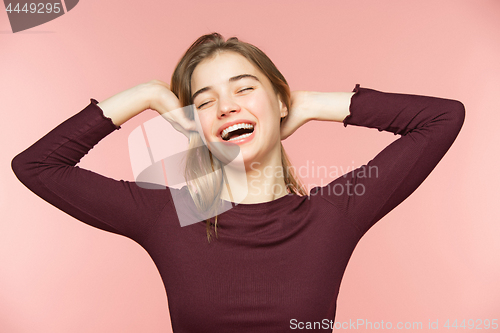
(94, 103)
(348, 118)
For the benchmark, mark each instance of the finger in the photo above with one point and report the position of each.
(188, 124)
(182, 130)
(198, 127)
(186, 133)
(284, 132)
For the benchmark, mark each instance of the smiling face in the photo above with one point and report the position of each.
(231, 95)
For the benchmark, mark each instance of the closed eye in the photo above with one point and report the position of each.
(202, 105)
(249, 88)
(242, 90)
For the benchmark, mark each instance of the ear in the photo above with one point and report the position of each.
(283, 109)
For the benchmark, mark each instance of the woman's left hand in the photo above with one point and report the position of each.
(298, 114)
(312, 105)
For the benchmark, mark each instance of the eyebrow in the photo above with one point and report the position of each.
(232, 79)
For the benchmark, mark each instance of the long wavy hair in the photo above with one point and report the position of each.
(203, 172)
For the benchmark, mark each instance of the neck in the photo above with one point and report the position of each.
(255, 182)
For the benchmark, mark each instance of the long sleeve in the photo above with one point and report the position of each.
(48, 169)
(428, 126)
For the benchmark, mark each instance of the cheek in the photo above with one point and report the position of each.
(261, 105)
(206, 123)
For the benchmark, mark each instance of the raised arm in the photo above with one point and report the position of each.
(48, 168)
(155, 95)
(428, 126)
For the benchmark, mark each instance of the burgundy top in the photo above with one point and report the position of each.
(273, 262)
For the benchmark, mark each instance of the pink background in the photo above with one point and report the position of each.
(436, 256)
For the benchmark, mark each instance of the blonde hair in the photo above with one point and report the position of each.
(204, 172)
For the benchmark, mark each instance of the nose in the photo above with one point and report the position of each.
(227, 106)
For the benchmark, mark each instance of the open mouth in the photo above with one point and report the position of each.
(237, 132)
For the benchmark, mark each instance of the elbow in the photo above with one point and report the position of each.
(20, 166)
(17, 164)
(455, 115)
(459, 112)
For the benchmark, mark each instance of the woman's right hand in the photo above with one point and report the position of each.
(164, 101)
(155, 95)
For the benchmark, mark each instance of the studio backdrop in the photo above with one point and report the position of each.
(435, 258)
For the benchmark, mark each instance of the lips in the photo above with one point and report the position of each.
(241, 139)
(226, 125)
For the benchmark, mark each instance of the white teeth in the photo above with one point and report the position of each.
(240, 137)
(226, 131)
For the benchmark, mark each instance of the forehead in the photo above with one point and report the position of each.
(218, 70)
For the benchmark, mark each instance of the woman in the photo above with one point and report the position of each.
(278, 257)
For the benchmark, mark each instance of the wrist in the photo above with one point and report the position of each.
(305, 105)
(124, 105)
(315, 105)
(150, 93)
(159, 97)
(330, 106)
